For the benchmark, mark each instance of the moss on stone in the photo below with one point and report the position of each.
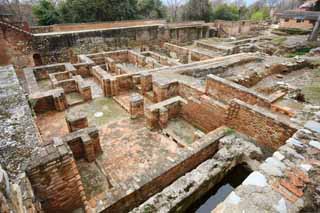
(149, 209)
(278, 40)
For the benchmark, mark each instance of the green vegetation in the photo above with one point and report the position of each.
(278, 40)
(198, 10)
(226, 12)
(299, 52)
(259, 14)
(149, 209)
(77, 11)
(294, 31)
(229, 131)
(46, 13)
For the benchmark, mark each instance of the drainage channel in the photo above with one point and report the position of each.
(216, 195)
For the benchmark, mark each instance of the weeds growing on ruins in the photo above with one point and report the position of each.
(129, 112)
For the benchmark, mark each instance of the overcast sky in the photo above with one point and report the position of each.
(248, 2)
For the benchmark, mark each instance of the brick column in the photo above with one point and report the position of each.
(146, 82)
(88, 146)
(136, 106)
(55, 178)
(60, 101)
(114, 86)
(163, 117)
(76, 120)
(107, 87)
(152, 119)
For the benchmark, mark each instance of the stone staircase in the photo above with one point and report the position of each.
(13, 27)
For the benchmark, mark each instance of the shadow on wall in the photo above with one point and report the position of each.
(37, 60)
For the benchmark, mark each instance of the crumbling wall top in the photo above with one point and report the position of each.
(18, 133)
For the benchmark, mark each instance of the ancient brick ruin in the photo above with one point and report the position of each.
(146, 116)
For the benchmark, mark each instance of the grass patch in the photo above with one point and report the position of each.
(312, 91)
(149, 209)
(229, 131)
(294, 31)
(278, 40)
(299, 52)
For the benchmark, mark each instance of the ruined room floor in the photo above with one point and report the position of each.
(132, 68)
(100, 111)
(74, 98)
(246, 69)
(44, 85)
(307, 79)
(181, 130)
(130, 152)
(123, 99)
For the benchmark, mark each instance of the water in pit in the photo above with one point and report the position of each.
(219, 193)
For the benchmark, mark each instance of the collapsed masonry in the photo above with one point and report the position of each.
(154, 127)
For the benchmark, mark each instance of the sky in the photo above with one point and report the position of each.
(248, 2)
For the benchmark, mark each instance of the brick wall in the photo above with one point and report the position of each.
(268, 129)
(84, 143)
(55, 179)
(180, 52)
(292, 23)
(205, 113)
(225, 90)
(165, 90)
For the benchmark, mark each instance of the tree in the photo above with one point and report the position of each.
(257, 16)
(151, 9)
(46, 13)
(76, 11)
(198, 10)
(226, 12)
(173, 6)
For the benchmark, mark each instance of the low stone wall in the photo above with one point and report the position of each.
(286, 182)
(83, 88)
(50, 100)
(42, 72)
(225, 90)
(235, 28)
(83, 69)
(19, 138)
(105, 80)
(60, 46)
(163, 60)
(215, 48)
(178, 52)
(93, 26)
(266, 128)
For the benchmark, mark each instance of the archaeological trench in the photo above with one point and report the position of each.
(147, 116)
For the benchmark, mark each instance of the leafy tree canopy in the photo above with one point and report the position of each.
(226, 12)
(76, 11)
(46, 13)
(151, 9)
